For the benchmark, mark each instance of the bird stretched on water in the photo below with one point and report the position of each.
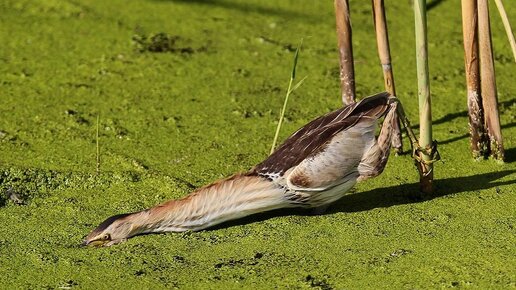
(313, 168)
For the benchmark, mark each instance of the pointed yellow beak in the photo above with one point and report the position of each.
(94, 243)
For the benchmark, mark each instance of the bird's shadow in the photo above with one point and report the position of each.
(245, 7)
(390, 196)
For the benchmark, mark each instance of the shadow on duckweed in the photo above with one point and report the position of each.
(247, 7)
(409, 193)
(503, 106)
(390, 196)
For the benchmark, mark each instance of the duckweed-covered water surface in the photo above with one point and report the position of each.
(187, 92)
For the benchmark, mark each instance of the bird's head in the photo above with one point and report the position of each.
(112, 231)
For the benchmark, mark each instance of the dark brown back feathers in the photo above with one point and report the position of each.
(313, 137)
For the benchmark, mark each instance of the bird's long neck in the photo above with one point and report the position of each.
(228, 199)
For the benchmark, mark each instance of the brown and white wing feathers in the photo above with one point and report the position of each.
(316, 138)
(338, 160)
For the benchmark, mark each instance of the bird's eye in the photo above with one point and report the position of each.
(106, 237)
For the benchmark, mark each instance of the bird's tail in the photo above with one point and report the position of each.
(374, 160)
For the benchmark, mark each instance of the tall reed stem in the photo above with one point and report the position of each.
(478, 138)
(347, 70)
(507, 26)
(488, 82)
(382, 40)
(425, 114)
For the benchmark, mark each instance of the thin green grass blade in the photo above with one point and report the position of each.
(287, 95)
(98, 146)
(296, 55)
(298, 84)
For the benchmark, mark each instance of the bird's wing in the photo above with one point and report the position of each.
(315, 136)
(337, 162)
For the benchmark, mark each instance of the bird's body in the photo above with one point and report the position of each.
(313, 168)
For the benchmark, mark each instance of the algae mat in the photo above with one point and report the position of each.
(188, 92)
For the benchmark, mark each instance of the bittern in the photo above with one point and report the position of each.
(313, 168)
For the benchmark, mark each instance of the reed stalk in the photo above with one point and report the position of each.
(488, 82)
(507, 25)
(478, 138)
(347, 70)
(382, 40)
(425, 165)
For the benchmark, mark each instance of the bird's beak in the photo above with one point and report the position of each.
(101, 243)
(94, 243)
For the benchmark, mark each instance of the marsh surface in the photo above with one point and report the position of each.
(189, 92)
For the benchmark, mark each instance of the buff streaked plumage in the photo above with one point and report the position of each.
(314, 167)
